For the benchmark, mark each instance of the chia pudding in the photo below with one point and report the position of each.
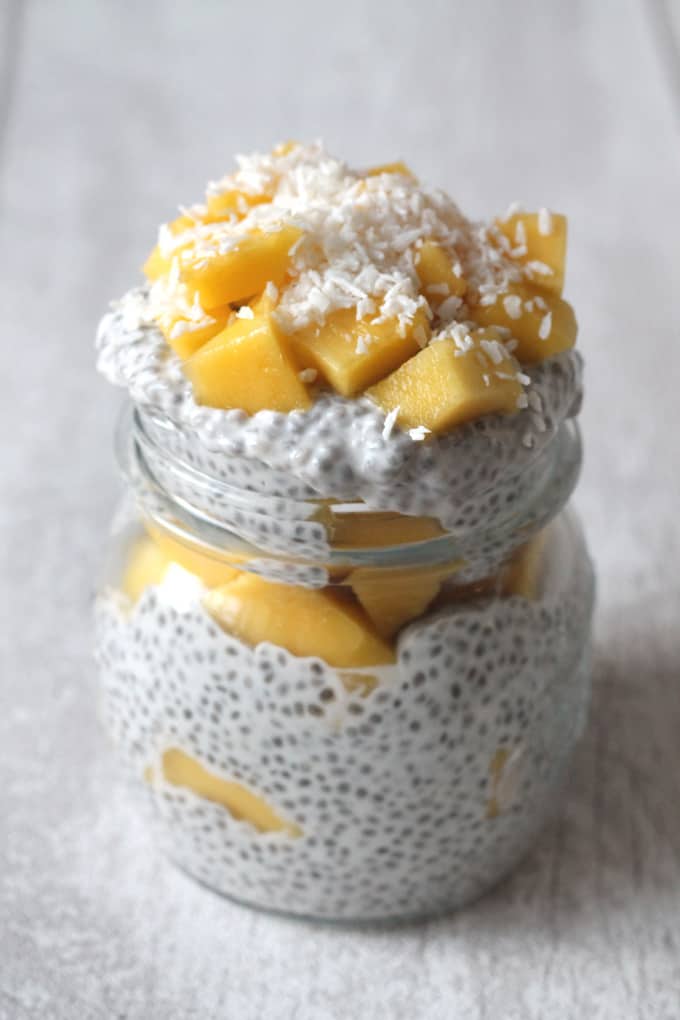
(343, 636)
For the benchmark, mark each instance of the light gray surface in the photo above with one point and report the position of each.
(116, 112)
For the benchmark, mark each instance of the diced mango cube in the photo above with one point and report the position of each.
(544, 236)
(157, 263)
(542, 323)
(210, 569)
(371, 530)
(243, 271)
(223, 204)
(186, 337)
(152, 554)
(247, 365)
(392, 598)
(146, 566)
(351, 354)
(180, 769)
(444, 386)
(438, 278)
(398, 167)
(305, 621)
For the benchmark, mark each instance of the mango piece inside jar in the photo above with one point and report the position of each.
(372, 529)
(444, 386)
(306, 622)
(243, 271)
(211, 570)
(438, 274)
(180, 769)
(146, 567)
(393, 598)
(351, 354)
(542, 324)
(248, 365)
(538, 242)
(154, 552)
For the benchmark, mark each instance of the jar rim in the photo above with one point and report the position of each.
(189, 521)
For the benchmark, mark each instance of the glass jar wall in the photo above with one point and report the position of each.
(335, 711)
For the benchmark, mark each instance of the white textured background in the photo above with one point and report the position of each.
(109, 114)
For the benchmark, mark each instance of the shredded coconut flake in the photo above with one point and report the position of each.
(245, 312)
(419, 433)
(390, 421)
(512, 304)
(512, 210)
(307, 375)
(545, 222)
(539, 268)
(545, 329)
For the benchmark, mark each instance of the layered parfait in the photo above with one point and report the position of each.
(343, 639)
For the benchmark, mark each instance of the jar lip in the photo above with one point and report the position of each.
(197, 526)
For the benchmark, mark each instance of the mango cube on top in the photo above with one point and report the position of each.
(437, 275)
(221, 205)
(542, 323)
(539, 243)
(447, 384)
(243, 271)
(248, 365)
(186, 336)
(351, 353)
(159, 263)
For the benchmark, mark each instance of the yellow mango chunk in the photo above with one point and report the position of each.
(181, 769)
(444, 386)
(242, 272)
(390, 168)
(392, 598)
(544, 236)
(542, 323)
(247, 365)
(151, 556)
(351, 354)
(146, 566)
(157, 264)
(377, 530)
(307, 622)
(223, 204)
(438, 278)
(522, 576)
(211, 570)
(186, 337)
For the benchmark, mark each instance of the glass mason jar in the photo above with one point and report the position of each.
(336, 712)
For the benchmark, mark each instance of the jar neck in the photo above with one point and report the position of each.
(207, 499)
